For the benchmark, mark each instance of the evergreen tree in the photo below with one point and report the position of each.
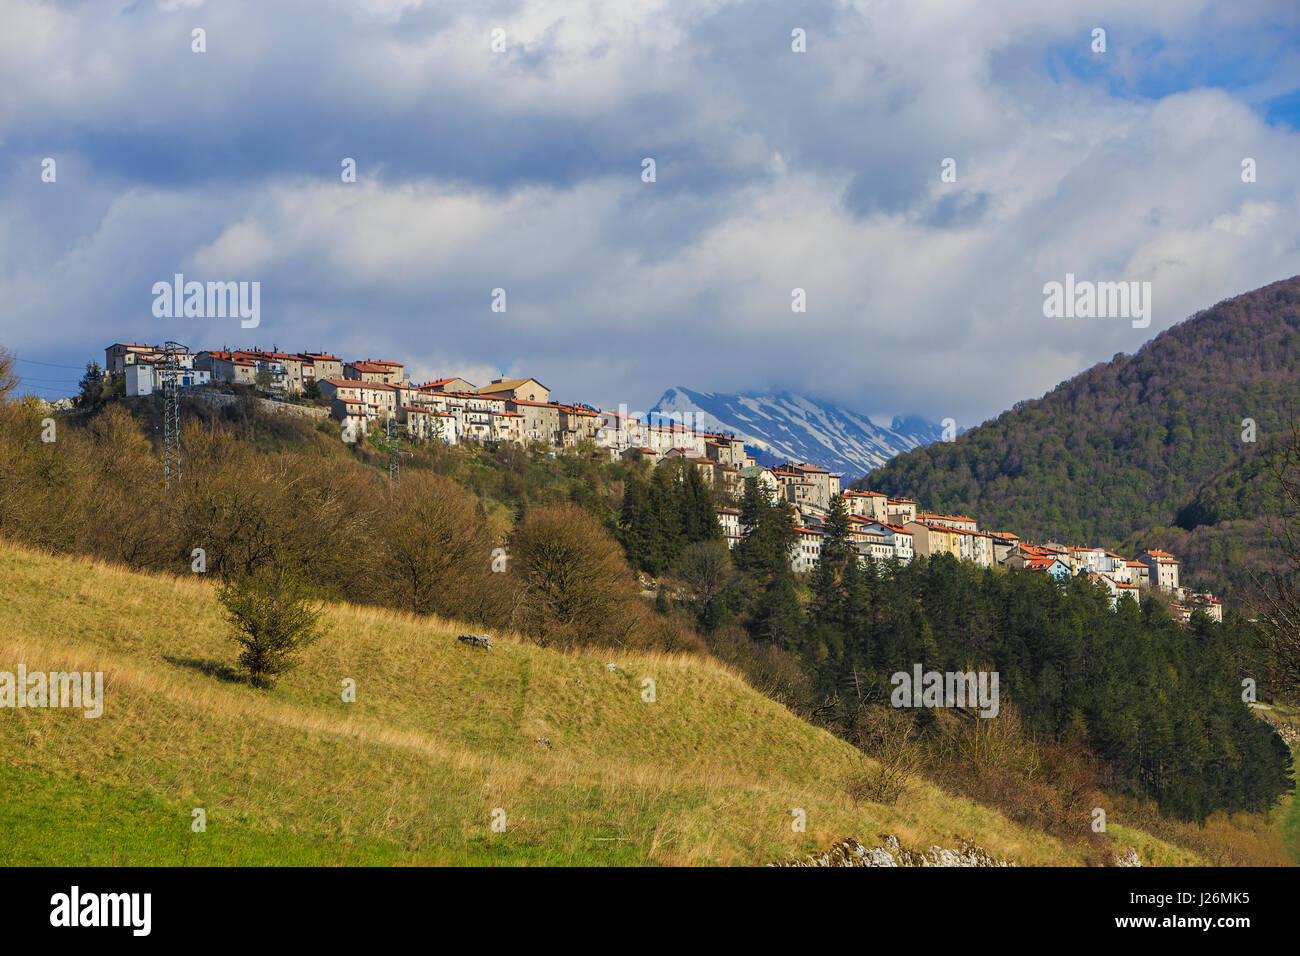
(778, 616)
(637, 525)
(770, 534)
(91, 387)
(700, 517)
(665, 506)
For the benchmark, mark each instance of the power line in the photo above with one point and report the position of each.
(78, 368)
(44, 381)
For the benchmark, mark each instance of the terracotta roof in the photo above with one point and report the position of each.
(355, 383)
(507, 384)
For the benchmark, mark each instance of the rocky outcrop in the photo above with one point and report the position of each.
(850, 852)
(1285, 729)
(217, 399)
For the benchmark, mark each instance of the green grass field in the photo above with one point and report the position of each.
(441, 737)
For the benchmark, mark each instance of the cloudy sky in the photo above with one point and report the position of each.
(521, 169)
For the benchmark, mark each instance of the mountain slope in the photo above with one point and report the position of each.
(1142, 442)
(440, 736)
(780, 426)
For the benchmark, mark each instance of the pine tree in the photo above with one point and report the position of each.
(91, 386)
(778, 616)
(666, 508)
(637, 525)
(770, 533)
(837, 541)
(700, 517)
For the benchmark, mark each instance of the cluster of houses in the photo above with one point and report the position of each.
(370, 392)
(884, 528)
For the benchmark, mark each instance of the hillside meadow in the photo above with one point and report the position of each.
(439, 738)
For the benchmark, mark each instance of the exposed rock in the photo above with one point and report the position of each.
(544, 742)
(476, 640)
(1128, 858)
(1285, 729)
(850, 852)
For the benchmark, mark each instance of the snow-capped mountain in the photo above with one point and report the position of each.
(779, 426)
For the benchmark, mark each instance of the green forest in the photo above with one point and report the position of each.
(1161, 448)
(1159, 704)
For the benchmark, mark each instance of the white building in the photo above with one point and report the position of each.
(807, 550)
(729, 519)
(900, 539)
(142, 379)
(877, 544)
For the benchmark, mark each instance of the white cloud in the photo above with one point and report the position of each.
(522, 170)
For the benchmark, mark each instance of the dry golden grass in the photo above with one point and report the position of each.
(439, 737)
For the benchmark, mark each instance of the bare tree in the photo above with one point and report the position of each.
(577, 589)
(8, 377)
(704, 569)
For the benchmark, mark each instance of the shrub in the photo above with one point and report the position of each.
(890, 738)
(274, 616)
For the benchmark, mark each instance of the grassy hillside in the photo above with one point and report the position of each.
(440, 735)
(1136, 446)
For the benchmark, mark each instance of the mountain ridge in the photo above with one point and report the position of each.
(1134, 449)
(779, 425)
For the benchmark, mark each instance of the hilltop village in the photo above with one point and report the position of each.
(368, 393)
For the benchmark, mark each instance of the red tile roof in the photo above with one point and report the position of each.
(355, 383)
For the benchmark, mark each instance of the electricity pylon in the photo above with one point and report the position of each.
(395, 452)
(169, 389)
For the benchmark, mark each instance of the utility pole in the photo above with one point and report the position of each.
(169, 391)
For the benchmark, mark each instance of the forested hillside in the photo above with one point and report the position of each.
(1147, 448)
